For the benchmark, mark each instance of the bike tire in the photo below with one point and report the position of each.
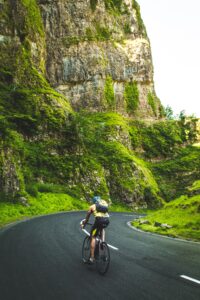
(86, 249)
(103, 259)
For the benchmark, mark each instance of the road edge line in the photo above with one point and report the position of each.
(160, 235)
(190, 279)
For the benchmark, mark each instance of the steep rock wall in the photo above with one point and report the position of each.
(98, 55)
(89, 42)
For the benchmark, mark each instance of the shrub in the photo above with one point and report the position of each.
(109, 92)
(131, 96)
(140, 22)
(113, 4)
(32, 190)
(151, 101)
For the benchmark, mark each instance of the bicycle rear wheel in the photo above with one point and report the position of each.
(86, 249)
(103, 259)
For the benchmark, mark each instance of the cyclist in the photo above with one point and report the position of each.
(99, 209)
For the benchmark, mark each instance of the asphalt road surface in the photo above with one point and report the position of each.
(41, 259)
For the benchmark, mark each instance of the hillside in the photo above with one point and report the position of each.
(67, 94)
(181, 214)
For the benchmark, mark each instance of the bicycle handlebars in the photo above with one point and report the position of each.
(81, 223)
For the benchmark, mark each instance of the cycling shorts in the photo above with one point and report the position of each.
(99, 224)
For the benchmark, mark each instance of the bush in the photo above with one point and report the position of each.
(131, 96)
(32, 190)
(151, 101)
(109, 92)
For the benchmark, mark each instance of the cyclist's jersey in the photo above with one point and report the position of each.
(102, 210)
(100, 214)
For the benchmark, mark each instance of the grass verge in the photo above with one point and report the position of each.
(183, 214)
(45, 203)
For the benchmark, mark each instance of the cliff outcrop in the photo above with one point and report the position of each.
(74, 75)
(91, 44)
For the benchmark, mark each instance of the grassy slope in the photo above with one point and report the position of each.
(46, 203)
(182, 213)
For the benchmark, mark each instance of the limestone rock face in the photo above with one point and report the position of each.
(10, 180)
(96, 55)
(89, 41)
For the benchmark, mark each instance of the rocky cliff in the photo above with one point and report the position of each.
(93, 44)
(74, 75)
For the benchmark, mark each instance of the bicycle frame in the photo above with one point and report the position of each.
(102, 254)
(101, 234)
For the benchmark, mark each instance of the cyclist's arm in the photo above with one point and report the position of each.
(90, 211)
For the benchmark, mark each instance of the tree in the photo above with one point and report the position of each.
(169, 113)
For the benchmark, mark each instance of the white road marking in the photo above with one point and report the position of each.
(190, 278)
(129, 216)
(86, 232)
(110, 246)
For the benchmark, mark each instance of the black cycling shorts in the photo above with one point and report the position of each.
(99, 224)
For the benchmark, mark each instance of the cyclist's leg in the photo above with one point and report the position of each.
(93, 240)
(92, 247)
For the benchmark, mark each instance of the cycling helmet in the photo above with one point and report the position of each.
(95, 199)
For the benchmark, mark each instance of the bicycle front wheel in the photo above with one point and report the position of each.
(103, 259)
(86, 249)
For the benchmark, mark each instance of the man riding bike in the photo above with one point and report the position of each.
(99, 209)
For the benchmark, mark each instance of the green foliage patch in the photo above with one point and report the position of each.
(176, 174)
(33, 21)
(183, 214)
(109, 93)
(45, 203)
(113, 4)
(93, 4)
(131, 96)
(97, 133)
(140, 22)
(163, 138)
(151, 101)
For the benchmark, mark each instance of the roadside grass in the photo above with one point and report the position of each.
(119, 207)
(183, 214)
(45, 203)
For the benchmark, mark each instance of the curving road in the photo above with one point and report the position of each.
(41, 259)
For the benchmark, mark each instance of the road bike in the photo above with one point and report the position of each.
(101, 252)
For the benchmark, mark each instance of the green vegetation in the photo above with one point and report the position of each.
(162, 139)
(127, 28)
(175, 174)
(131, 96)
(104, 136)
(109, 93)
(119, 207)
(140, 22)
(45, 203)
(98, 33)
(93, 4)
(183, 214)
(115, 5)
(151, 101)
(195, 187)
(33, 22)
(102, 32)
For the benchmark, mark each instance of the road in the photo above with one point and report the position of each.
(40, 259)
